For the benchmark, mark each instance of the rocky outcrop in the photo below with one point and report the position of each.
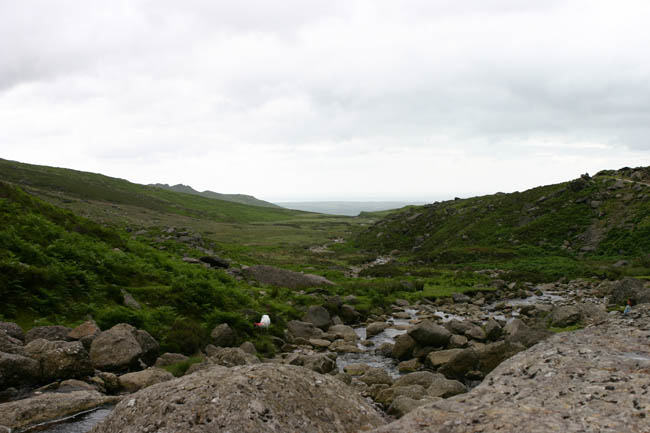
(122, 348)
(51, 333)
(18, 370)
(629, 288)
(258, 398)
(18, 415)
(593, 380)
(284, 278)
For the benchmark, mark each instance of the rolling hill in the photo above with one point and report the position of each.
(235, 198)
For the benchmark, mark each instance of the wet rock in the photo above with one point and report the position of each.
(492, 330)
(60, 359)
(284, 278)
(223, 336)
(51, 333)
(564, 315)
(428, 333)
(120, 349)
(305, 330)
(375, 375)
(132, 382)
(386, 396)
(18, 370)
(356, 369)
(20, 414)
(422, 378)
(403, 347)
(258, 398)
(318, 316)
(376, 328)
(12, 330)
(343, 331)
(385, 349)
(232, 356)
(169, 358)
(409, 366)
(343, 346)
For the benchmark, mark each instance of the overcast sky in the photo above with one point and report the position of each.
(328, 100)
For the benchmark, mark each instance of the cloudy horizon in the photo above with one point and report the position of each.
(303, 100)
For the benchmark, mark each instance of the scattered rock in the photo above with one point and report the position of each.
(403, 347)
(443, 387)
(232, 356)
(304, 330)
(60, 359)
(132, 382)
(284, 278)
(86, 333)
(223, 336)
(428, 333)
(51, 333)
(169, 358)
(564, 315)
(374, 375)
(376, 328)
(318, 316)
(13, 330)
(18, 370)
(629, 288)
(120, 349)
(343, 331)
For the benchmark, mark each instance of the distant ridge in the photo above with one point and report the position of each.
(236, 198)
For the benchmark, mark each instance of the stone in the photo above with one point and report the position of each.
(215, 262)
(476, 333)
(86, 333)
(318, 316)
(492, 330)
(9, 344)
(248, 347)
(130, 301)
(284, 278)
(356, 369)
(349, 314)
(305, 330)
(493, 354)
(386, 396)
(422, 378)
(343, 346)
(70, 385)
(409, 366)
(319, 343)
(319, 363)
(22, 414)
(564, 315)
(168, 358)
(459, 364)
(517, 332)
(18, 370)
(232, 356)
(629, 288)
(457, 341)
(403, 347)
(51, 333)
(459, 298)
(120, 349)
(246, 399)
(111, 381)
(404, 404)
(343, 331)
(441, 357)
(443, 387)
(428, 333)
(13, 330)
(132, 382)
(376, 328)
(375, 375)
(223, 336)
(60, 359)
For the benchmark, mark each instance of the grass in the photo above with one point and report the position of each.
(570, 328)
(179, 369)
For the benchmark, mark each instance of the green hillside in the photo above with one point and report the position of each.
(606, 217)
(51, 182)
(235, 198)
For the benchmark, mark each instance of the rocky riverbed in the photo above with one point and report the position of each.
(414, 356)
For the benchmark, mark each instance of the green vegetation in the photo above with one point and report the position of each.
(236, 198)
(178, 369)
(566, 328)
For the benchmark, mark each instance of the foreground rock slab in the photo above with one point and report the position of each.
(18, 415)
(246, 399)
(592, 380)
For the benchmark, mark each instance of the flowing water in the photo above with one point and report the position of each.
(80, 423)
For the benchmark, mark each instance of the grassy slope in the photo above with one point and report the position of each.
(555, 225)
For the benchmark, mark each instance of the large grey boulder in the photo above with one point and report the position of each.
(86, 333)
(493, 354)
(18, 370)
(304, 330)
(564, 315)
(284, 278)
(386, 396)
(13, 330)
(345, 332)
(168, 358)
(51, 333)
(60, 359)
(21, 414)
(318, 316)
(630, 288)
(422, 378)
(376, 328)
(123, 348)
(518, 332)
(132, 382)
(443, 387)
(403, 347)
(428, 333)
(223, 336)
(232, 356)
(256, 398)
(9, 344)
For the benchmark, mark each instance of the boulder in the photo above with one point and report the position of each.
(564, 315)
(284, 278)
(428, 333)
(476, 333)
(86, 333)
(319, 363)
(422, 378)
(223, 336)
(21, 414)
(343, 346)
(343, 331)
(403, 347)
(13, 330)
(121, 348)
(132, 382)
(493, 354)
(169, 358)
(517, 332)
(404, 404)
(318, 316)
(305, 330)
(349, 314)
(457, 341)
(376, 328)
(60, 359)
(18, 370)
(375, 375)
(255, 398)
(111, 381)
(248, 347)
(356, 369)
(629, 288)
(441, 357)
(386, 396)
(51, 333)
(9, 344)
(215, 262)
(443, 387)
(453, 363)
(492, 330)
(409, 366)
(232, 356)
